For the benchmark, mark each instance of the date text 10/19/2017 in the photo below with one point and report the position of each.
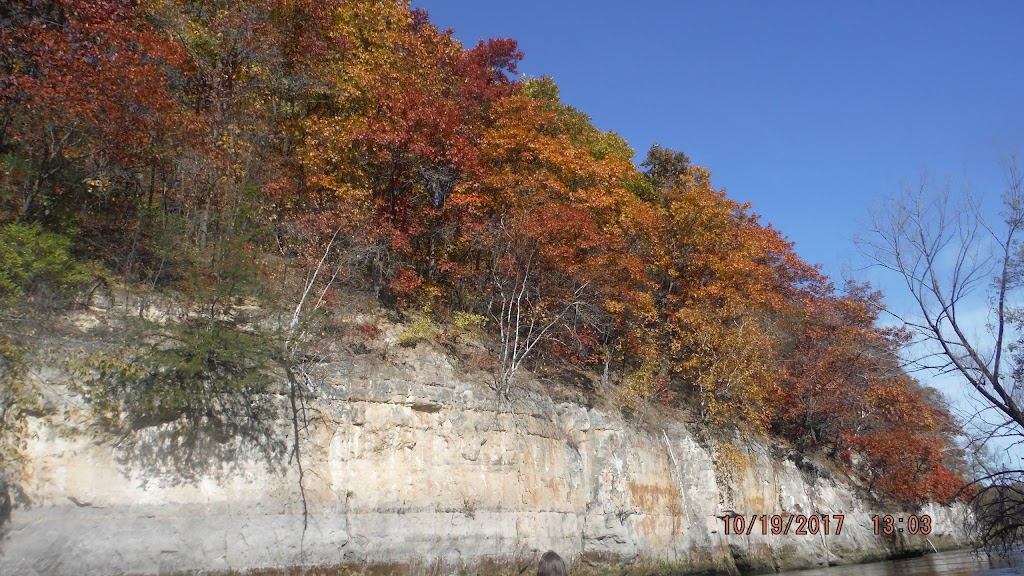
(802, 525)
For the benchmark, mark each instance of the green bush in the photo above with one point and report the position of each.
(203, 373)
(36, 264)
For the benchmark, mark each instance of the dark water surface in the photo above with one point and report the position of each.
(958, 563)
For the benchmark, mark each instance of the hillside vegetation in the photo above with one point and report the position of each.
(234, 154)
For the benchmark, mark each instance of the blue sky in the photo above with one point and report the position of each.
(811, 111)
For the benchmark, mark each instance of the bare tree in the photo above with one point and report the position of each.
(956, 260)
(296, 359)
(527, 304)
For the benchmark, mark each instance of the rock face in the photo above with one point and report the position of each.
(413, 465)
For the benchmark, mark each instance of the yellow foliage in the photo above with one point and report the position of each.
(467, 320)
(730, 460)
(421, 329)
(730, 364)
(643, 385)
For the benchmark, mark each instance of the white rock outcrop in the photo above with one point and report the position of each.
(415, 466)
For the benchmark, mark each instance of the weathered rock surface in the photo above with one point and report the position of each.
(412, 463)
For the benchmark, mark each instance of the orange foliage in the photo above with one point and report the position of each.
(547, 206)
(845, 392)
(725, 284)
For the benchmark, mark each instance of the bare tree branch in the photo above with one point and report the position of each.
(954, 261)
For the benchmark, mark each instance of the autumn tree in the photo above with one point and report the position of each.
(92, 126)
(92, 77)
(903, 444)
(545, 219)
(836, 354)
(385, 158)
(257, 70)
(844, 392)
(722, 281)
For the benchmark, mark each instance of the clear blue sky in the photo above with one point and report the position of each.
(808, 110)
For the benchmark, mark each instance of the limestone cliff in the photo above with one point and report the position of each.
(412, 464)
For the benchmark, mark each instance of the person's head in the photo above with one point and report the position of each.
(551, 565)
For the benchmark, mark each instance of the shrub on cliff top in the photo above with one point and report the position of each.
(203, 373)
(35, 264)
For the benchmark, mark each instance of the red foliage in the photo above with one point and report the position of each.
(845, 392)
(87, 79)
(368, 331)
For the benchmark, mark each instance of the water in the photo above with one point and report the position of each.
(958, 563)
